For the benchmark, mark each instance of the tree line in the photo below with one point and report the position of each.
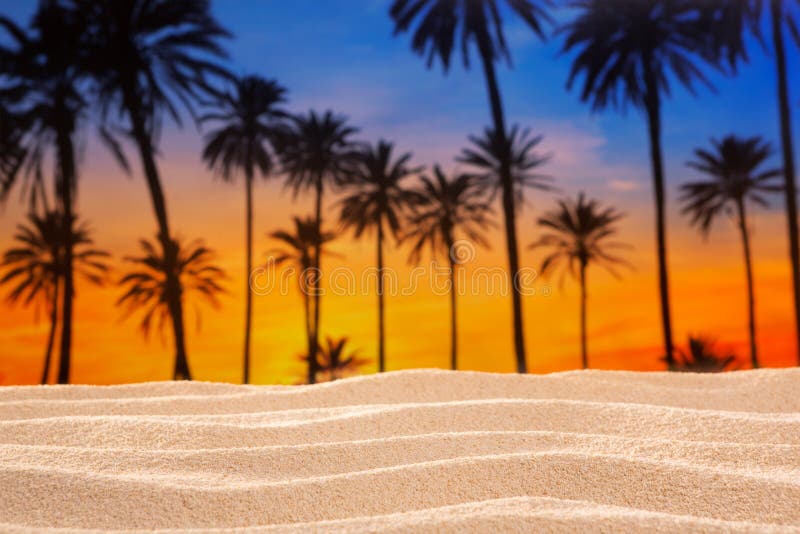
(123, 67)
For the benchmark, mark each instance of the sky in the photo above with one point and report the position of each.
(342, 55)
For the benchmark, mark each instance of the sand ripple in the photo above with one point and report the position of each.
(428, 451)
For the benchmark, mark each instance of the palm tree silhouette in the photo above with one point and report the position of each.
(314, 150)
(486, 155)
(579, 236)
(36, 266)
(627, 51)
(45, 71)
(146, 286)
(734, 177)
(744, 13)
(334, 359)
(298, 250)
(142, 52)
(378, 201)
(441, 24)
(702, 357)
(248, 121)
(441, 209)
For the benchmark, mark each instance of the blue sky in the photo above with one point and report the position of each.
(341, 55)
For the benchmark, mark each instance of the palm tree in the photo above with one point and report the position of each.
(442, 208)
(334, 359)
(37, 264)
(248, 121)
(378, 200)
(314, 150)
(779, 16)
(733, 177)
(442, 25)
(627, 52)
(145, 53)
(146, 286)
(44, 75)
(299, 247)
(702, 357)
(749, 13)
(579, 236)
(486, 155)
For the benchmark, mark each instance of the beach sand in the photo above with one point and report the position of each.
(423, 450)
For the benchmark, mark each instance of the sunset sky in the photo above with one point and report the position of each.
(341, 55)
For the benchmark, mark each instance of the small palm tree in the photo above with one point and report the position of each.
(298, 251)
(702, 357)
(377, 202)
(334, 359)
(144, 54)
(146, 287)
(627, 51)
(248, 121)
(734, 177)
(36, 266)
(579, 233)
(314, 150)
(447, 25)
(442, 209)
(488, 152)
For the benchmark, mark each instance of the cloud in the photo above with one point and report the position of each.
(624, 185)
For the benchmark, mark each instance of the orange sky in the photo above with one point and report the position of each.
(708, 293)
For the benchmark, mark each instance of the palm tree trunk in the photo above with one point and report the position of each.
(653, 105)
(748, 264)
(788, 160)
(584, 352)
(307, 306)
(312, 361)
(66, 162)
(52, 334)
(507, 200)
(381, 333)
(248, 314)
(453, 323)
(173, 285)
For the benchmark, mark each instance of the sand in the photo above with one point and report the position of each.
(428, 451)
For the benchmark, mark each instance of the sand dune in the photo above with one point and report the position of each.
(429, 451)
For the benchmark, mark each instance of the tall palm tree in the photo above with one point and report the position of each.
(734, 176)
(377, 202)
(248, 120)
(442, 209)
(314, 151)
(579, 233)
(43, 71)
(334, 358)
(145, 54)
(442, 25)
(37, 264)
(627, 51)
(702, 357)
(146, 286)
(782, 16)
(298, 250)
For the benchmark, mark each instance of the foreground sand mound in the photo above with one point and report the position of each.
(416, 450)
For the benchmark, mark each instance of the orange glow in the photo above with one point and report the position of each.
(707, 282)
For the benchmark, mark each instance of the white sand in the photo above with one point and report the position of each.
(429, 451)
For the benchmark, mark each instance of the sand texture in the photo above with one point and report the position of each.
(421, 451)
